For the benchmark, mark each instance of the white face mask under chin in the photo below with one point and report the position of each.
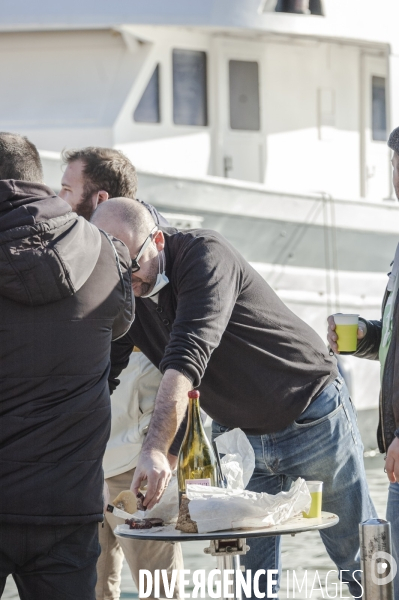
(161, 281)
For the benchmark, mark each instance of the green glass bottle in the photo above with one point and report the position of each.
(197, 461)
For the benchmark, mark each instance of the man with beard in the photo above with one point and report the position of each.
(92, 176)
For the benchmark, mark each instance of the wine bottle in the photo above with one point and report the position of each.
(197, 461)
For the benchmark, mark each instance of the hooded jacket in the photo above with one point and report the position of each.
(65, 292)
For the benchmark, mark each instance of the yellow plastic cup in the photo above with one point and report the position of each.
(346, 327)
(316, 490)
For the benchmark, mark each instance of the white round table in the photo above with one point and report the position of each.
(228, 545)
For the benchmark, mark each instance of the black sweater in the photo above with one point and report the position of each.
(219, 323)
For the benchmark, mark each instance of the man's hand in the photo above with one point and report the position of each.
(332, 336)
(106, 496)
(392, 461)
(153, 466)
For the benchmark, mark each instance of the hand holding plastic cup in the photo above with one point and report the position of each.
(315, 489)
(346, 327)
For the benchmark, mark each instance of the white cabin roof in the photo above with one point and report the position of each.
(368, 20)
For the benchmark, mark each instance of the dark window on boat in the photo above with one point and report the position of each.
(148, 109)
(244, 95)
(301, 7)
(190, 106)
(379, 115)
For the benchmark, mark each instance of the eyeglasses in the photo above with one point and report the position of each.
(135, 261)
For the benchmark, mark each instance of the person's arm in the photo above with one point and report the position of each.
(392, 461)
(369, 345)
(208, 282)
(153, 464)
(121, 350)
(125, 316)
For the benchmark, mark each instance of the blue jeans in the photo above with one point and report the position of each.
(393, 517)
(322, 444)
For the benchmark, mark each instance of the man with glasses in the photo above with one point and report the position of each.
(207, 319)
(92, 176)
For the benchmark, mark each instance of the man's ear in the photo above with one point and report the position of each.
(102, 196)
(159, 240)
(99, 198)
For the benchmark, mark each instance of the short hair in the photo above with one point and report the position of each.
(105, 169)
(19, 158)
(125, 214)
(393, 141)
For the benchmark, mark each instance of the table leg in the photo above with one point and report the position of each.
(230, 562)
(228, 554)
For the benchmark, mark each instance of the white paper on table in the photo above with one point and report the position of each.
(238, 464)
(217, 509)
(125, 529)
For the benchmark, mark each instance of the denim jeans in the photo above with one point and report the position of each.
(322, 444)
(393, 517)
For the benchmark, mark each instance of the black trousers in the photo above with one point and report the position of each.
(50, 562)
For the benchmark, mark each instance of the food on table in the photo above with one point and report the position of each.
(140, 500)
(126, 501)
(144, 523)
(184, 521)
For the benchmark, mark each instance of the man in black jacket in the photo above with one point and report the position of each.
(64, 294)
(207, 319)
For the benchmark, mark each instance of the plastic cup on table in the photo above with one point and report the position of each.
(316, 490)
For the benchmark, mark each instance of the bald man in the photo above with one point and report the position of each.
(207, 319)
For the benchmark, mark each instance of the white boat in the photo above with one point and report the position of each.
(269, 126)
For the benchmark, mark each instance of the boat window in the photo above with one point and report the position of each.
(379, 115)
(148, 109)
(301, 7)
(244, 95)
(190, 106)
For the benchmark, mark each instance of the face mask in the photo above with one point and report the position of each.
(161, 281)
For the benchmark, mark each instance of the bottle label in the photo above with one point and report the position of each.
(198, 482)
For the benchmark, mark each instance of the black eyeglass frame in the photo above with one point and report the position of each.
(135, 261)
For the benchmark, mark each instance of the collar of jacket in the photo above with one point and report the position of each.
(47, 252)
(24, 203)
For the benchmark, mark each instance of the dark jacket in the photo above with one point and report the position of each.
(219, 323)
(62, 298)
(368, 347)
